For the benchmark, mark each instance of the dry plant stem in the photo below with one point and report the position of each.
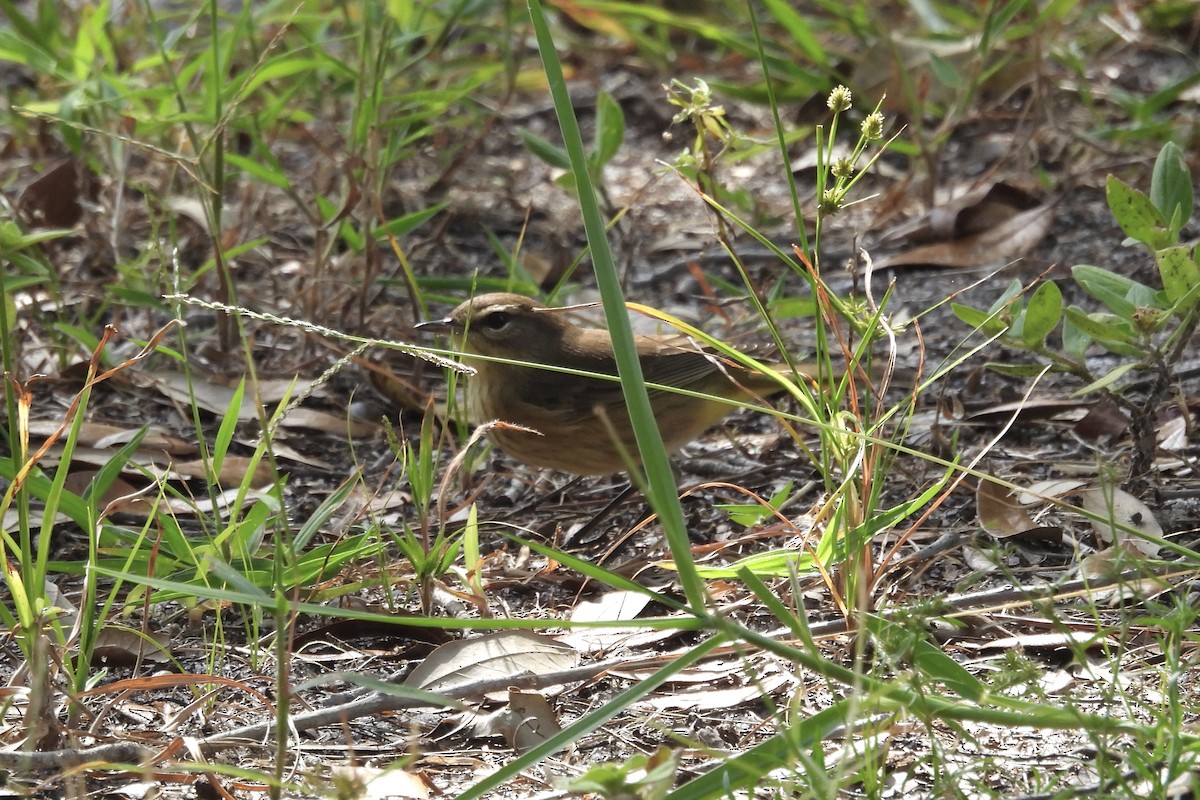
(55, 762)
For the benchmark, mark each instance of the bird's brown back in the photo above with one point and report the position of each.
(570, 411)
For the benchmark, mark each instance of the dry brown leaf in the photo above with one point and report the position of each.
(107, 434)
(314, 419)
(986, 227)
(1049, 408)
(120, 495)
(122, 647)
(1002, 515)
(52, 200)
(1104, 422)
(215, 395)
(999, 513)
(233, 471)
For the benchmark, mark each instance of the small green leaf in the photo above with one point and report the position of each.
(1013, 291)
(1180, 277)
(402, 226)
(1136, 215)
(1171, 188)
(944, 71)
(1042, 314)
(792, 307)
(1075, 341)
(978, 319)
(566, 181)
(1017, 370)
(267, 173)
(545, 150)
(610, 128)
(747, 514)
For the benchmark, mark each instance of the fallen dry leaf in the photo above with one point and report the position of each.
(982, 228)
(52, 200)
(486, 658)
(1119, 510)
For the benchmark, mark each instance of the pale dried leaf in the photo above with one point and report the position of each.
(537, 720)
(1173, 435)
(487, 658)
(215, 395)
(1103, 564)
(1051, 642)
(708, 697)
(371, 783)
(1121, 510)
(317, 420)
(1040, 491)
(101, 435)
(611, 606)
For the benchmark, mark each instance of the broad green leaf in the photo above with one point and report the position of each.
(1042, 314)
(1136, 214)
(773, 563)
(1171, 188)
(610, 128)
(1180, 277)
(1123, 296)
(1108, 380)
(280, 68)
(1115, 334)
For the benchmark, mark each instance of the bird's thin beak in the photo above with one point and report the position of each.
(445, 324)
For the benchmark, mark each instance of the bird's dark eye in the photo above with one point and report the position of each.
(495, 321)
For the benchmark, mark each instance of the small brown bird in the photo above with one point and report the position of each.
(568, 410)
